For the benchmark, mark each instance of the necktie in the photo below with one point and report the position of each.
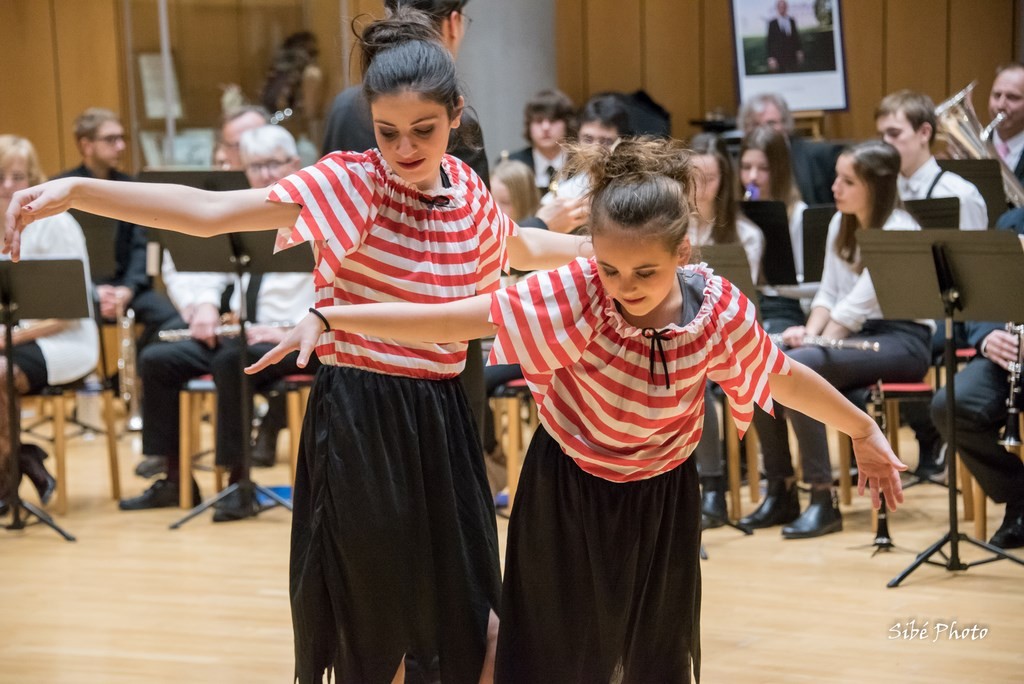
(551, 177)
(1003, 149)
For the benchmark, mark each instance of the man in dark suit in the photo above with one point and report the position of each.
(101, 141)
(783, 46)
(1007, 98)
(549, 119)
(981, 391)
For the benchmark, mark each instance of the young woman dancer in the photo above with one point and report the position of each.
(602, 569)
(394, 544)
(845, 307)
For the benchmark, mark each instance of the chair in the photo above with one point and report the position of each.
(732, 463)
(296, 389)
(508, 401)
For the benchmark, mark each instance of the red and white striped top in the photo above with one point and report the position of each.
(589, 369)
(377, 238)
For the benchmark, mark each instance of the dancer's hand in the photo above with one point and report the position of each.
(878, 469)
(32, 204)
(303, 337)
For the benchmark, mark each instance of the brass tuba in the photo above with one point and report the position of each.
(967, 139)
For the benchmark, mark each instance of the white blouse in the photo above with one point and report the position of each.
(848, 295)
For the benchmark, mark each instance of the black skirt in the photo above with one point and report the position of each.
(394, 543)
(602, 579)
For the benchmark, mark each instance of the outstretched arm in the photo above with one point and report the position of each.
(168, 207)
(535, 249)
(807, 392)
(464, 319)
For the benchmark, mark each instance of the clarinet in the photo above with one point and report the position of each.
(1011, 432)
(819, 341)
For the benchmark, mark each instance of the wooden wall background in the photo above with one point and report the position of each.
(682, 52)
(61, 56)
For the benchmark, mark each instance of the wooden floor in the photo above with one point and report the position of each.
(132, 601)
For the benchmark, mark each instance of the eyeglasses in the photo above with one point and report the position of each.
(270, 166)
(112, 139)
(601, 140)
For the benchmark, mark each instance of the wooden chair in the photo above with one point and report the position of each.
(198, 393)
(508, 402)
(296, 389)
(732, 463)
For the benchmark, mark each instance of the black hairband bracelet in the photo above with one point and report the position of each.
(327, 325)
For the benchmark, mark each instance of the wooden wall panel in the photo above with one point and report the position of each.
(936, 46)
(89, 66)
(614, 40)
(363, 11)
(718, 91)
(980, 39)
(571, 48)
(672, 54)
(915, 46)
(29, 105)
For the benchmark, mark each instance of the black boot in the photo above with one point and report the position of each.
(821, 517)
(712, 506)
(30, 458)
(780, 506)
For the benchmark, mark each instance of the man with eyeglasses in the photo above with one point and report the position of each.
(234, 124)
(102, 142)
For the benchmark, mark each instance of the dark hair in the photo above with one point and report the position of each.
(877, 165)
(284, 78)
(776, 150)
(917, 108)
(723, 231)
(606, 109)
(550, 104)
(642, 185)
(404, 52)
(438, 9)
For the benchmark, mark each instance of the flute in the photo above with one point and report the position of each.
(819, 341)
(228, 330)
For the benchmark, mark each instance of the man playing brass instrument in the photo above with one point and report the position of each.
(269, 154)
(982, 388)
(1007, 98)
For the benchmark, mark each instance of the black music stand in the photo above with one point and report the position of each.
(987, 176)
(240, 254)
(777, 265)
(947, 274)
(935, 212)
(26, 291)
(730, 262)
(816, 222)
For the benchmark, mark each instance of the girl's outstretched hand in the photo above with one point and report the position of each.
(302, 337)
(878, 469)
(32, 204)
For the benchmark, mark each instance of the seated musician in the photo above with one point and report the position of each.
(269, 154)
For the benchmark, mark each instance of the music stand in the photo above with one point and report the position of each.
(816, 222)
(947, 274)
(936, 212)
(206, 179)
(240, 254)
(26, 292)
(987, 176)
(730, 262)
(777, 264)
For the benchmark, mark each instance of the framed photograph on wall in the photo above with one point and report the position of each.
(791, 47)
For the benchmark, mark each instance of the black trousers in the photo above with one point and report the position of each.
(981, 391)
(154, 312)
(166, 367)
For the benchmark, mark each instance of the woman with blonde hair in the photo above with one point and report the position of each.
(514, 189)
(46, 352)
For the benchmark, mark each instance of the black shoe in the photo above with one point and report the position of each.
(1010, 534)
(4, 508)
(151, 466)
(781, 505)
(30, 458)
(264, 447)
(231, 507)
(821, 517)
(713, 509)
(161, 494)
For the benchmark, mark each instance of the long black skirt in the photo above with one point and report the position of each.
(602, 580)
(394, 542)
